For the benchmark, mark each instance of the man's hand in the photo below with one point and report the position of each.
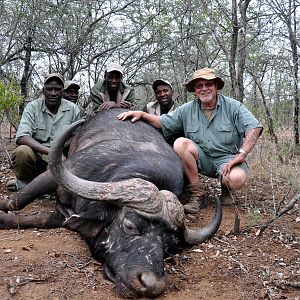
(107, 105)
(239, 158)
(124, 104)
(136, 115)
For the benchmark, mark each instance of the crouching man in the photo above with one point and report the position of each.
(218, 134)
(42, 120)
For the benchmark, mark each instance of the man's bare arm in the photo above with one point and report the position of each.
(250, 140)
(140, 115)
(33, 144)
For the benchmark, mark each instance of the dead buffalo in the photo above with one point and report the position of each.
(118, 188)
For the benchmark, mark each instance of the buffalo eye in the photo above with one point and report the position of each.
(130, 227)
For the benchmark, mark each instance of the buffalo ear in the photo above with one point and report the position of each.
(85, 227)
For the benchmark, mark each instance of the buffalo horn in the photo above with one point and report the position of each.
(197, 236)
(136, 193)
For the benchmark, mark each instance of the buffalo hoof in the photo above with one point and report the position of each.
(6, 220)
(4, 205)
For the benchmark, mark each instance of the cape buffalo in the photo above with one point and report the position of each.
(118, 189)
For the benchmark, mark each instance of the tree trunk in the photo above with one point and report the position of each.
(26, 71)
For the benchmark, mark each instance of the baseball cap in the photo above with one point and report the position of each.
(54, 75)
(114, 67)
(157, 82)
(71, 83)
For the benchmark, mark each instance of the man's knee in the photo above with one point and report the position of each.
(236, 179)
(23, 154)
(182, 145)
(179, 143)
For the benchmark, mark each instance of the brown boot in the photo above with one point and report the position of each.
(226, 197)
(197, 198)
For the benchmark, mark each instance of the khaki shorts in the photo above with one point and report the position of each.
(212, 167)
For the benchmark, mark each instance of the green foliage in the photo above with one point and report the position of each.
(254, 215)
(10, 99)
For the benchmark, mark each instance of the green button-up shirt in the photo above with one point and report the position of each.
(221, 135)
(39, 123)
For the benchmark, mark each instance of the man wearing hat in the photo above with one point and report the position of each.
(71, 91)
(164, 103)
(42, 120)
(219, 132)
(111, 92)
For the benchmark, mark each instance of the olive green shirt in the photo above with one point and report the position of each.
(99, 95)
(39, 123)
(220, 135)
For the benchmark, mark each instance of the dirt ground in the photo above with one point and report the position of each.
(240, 262)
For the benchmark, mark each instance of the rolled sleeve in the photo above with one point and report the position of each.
(27, 126)
(247, 121)
(171, 123)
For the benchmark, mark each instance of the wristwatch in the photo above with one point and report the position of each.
(243, 152)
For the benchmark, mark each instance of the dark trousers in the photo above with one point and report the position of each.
(28, 164)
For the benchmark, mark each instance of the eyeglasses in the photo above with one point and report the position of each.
(208, 84)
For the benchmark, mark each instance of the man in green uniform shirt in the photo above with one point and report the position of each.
(42, 120)
(219, 132)
(111, 92)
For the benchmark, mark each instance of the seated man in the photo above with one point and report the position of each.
(219, 132)
(41, 121)
(71, 91)
(111, 92)
(164, 103)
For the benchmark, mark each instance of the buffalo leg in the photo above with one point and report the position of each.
(41, 185)
(39, 220)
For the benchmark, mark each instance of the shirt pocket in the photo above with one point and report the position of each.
(41, 132)
(193, 133)
(226, 133)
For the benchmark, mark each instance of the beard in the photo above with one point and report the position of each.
(206, 98)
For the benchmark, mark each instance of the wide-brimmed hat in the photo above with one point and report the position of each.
(114, 67)
(206, 73)
(54, 75)
(70, 83)
(158, 82)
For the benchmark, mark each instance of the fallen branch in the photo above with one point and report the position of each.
(287, 208)
(8, 158)
(242, 267)
(14, 283)
(282, 283)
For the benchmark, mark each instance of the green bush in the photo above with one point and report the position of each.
(10, 99)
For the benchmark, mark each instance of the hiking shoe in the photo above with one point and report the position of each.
(197, 198)
(226, 197)
(15, 185)
(194, 204)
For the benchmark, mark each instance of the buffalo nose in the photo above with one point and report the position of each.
(151, 285)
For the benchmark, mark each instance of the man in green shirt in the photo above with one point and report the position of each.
(164, 103)
(42, 120)
(111, 92)
(219, 132)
